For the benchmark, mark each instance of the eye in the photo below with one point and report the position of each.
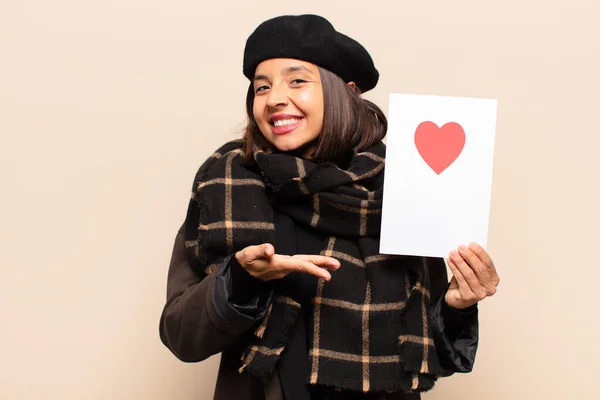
(298, 81)
(260, 89)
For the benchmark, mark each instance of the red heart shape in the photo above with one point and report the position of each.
(439, 147)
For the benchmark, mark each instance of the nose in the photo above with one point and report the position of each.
(277, 96)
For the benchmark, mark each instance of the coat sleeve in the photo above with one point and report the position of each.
(455, 332)
(201, 317)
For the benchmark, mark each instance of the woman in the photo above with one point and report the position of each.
(277, 264)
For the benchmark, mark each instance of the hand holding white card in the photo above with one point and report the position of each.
(438, 175)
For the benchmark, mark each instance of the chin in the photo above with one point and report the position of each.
(286, 143)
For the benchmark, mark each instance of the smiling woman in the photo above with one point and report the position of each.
(277, 264)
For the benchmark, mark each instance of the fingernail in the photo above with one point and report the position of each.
(454, 254)
(462, 247)
(473, 245)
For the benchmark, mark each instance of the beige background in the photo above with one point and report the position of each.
(108, 107)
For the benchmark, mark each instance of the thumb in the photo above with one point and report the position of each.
(453, 283)
(265, 251)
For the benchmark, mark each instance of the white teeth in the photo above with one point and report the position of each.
(282, 122)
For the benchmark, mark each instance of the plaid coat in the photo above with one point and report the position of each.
(194, 326)
(369, 329)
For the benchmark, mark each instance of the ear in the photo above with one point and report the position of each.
(352, 86)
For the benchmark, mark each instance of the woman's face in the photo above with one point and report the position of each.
(288, 102)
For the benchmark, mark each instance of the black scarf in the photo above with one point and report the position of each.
(369, 328)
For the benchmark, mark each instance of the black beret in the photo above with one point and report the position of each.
(313, 39)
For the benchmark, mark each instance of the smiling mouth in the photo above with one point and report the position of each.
(285, 126)
(285, 122)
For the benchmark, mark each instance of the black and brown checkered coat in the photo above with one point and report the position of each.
(370, 328)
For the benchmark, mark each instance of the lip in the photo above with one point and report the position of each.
(282, 130)
(276, 117)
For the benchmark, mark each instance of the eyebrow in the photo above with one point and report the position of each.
(287, 70)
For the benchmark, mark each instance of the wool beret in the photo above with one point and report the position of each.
(310, 38)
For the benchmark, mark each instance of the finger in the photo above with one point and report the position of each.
(480, 269)
(307, 267)
(323, 261)
(469, 275)
(473, 260)
(463, 287)
(487, 261)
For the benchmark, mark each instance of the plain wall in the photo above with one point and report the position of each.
(107, 108)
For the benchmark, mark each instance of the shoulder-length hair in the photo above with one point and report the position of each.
(350, 122)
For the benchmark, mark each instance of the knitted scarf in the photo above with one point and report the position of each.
(369, 328)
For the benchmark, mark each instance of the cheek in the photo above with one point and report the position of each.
(313, 106)
(257, 111)
(310, 99)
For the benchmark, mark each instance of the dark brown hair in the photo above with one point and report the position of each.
(350, 122)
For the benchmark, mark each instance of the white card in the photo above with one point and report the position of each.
(438, 174)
